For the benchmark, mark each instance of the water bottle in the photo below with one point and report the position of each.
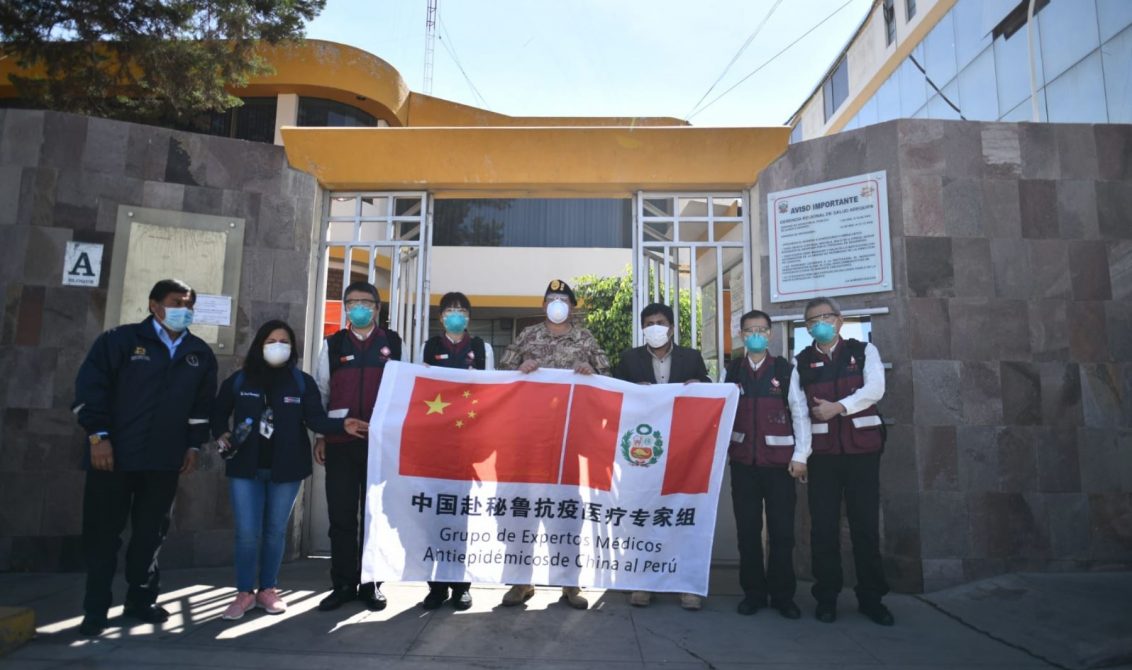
(242, 431)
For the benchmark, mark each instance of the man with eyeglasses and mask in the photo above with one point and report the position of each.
(661, 361)
(348, 375)
(143, 396)
(843, 380)
(770, 444)
(555, 343)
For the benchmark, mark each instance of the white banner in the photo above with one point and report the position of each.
(550, 478)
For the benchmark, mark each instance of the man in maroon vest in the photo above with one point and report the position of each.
(349, 373)
(769, 448)
(843, 381)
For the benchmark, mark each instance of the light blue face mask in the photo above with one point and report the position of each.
(756, 343)
(360, 316)
(822, 332)
(455, 323)
(177, 319)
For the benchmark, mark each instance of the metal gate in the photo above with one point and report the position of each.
(383, 238)
(691, 251)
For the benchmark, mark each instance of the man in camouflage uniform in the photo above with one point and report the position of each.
(555, 343)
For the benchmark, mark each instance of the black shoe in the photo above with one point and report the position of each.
(826, 612)
(436, 597)
(461, 599)
(787, 608)
(338, 597)
(878, 613)
(92, 626)
(153, 613)
(748, 606)
(372, 597)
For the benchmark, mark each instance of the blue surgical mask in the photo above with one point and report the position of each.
(360, 316)
(454, 322)
(822, 332)
(756, 343)
(177, 319)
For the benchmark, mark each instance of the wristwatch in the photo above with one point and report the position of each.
(95, 439)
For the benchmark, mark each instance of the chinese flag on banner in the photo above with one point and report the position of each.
(487, 432)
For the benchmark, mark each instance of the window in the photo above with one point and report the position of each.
(253, 121)
(796, 133)
(836, 88)
(321, 112)
(533, 222)
(1016, 19)
(889, 22)
(909, 9)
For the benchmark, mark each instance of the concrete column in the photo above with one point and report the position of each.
(286, 113)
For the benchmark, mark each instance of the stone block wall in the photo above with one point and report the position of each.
(1010, 337)
(62, 178)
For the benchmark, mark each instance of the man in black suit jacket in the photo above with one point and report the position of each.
(661, 361)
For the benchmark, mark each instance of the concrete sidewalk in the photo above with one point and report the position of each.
(1020, 621)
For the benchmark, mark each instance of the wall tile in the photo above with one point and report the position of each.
(1114, 201)
(937, 393)
(1077, 210)
(1002, 211)
(1088, 267)
(974, 270)
(985, 329)
(1088, 337)
(1021, 393)
(963, 207)
(922, 205)
(1114, 151)
(1013, 273)
(1120, 269)
(1039, 149)
(1059, 467)
(981, 393)
(1037, 199)
(1049, 261)
(1049, 329)
(1002, 154)
(1076, 150)
(937, 457)
(930, 271)
(929, 328)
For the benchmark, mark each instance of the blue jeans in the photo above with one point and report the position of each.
(261, 508)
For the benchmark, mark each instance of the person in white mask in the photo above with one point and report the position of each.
(557, 342)
(661, 361)
(260, 420)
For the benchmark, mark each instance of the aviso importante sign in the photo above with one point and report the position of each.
(830, 239)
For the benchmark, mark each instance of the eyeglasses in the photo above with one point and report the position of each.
(827, 317)
(360, 303)
(752, 330)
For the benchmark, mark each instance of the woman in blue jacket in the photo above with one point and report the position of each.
(271, 405)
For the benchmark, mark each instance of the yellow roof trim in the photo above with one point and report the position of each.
(572, 161)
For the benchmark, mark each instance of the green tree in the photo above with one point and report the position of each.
(165, 61)
(608, 306)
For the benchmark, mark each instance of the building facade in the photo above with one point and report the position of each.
(971, 60)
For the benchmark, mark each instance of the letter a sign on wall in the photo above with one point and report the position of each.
(82, 264)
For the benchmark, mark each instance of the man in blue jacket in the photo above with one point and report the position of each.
(143, 395)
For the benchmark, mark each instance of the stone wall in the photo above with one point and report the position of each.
(62, 178)
(1010, 338)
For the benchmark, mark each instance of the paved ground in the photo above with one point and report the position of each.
(1016, 621)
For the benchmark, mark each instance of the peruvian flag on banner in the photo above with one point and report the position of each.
(468, 454)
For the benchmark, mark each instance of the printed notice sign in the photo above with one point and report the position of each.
(213, 310)
(82, 264)
(830, 239)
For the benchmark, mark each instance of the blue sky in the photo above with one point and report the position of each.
(606, 57)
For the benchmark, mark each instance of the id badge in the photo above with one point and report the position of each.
(266, 428)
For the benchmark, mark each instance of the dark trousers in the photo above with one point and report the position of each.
(856, 479)
(751, 487)
(346, 506)
(456, 587)
(145, 499)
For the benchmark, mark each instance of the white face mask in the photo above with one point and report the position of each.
(656, 335)
(276, 353)
(557, 311)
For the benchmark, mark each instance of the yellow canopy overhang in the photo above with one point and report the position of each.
(534, 161)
